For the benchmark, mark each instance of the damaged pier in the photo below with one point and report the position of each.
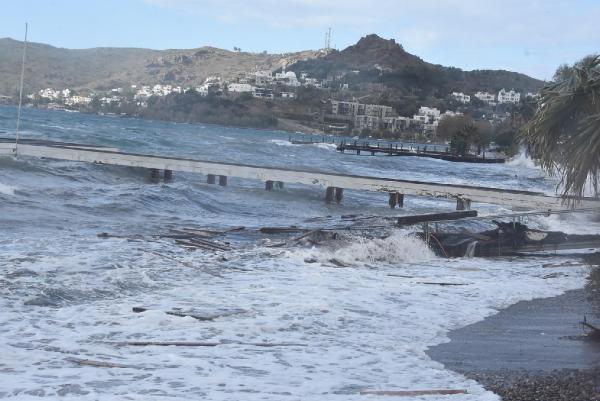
(334, 184)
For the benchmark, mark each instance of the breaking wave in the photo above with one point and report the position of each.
(397, 248)
(523, 160)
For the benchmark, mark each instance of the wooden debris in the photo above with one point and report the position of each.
(595, 331)
(139, 309)
(308, 234)
(99, 364)
(283, 230)
(423, 218)
(414, 393)
(338, 263)
(202, 244)
(202, 344)
(400, 275)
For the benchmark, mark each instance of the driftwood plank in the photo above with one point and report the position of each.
(282, 230)
(413, 393)
(99, 364)
(139, 309)
(423, 218)
(202, 344)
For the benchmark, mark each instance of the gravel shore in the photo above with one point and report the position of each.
(557, 385)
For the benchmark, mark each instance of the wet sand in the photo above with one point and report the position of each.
(533, 350)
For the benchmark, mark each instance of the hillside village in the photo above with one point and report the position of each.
(336, 116)
(372, 88)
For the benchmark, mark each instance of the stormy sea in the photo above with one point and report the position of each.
(279, 319)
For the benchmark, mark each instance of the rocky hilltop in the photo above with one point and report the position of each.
(105, 67)
(374, 60)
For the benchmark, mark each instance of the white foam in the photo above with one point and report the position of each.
(523, 160)
(7, 189)
(398, 247)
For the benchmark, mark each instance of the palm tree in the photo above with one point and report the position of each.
(564, 133)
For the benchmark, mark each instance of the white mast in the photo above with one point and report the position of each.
(21, 90)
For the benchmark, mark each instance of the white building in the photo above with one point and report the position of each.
(74, 100)
(461, 97)
(431, 113)
(287, 78)
(263, 93)
(511, 96)
(49, 93)
(486, 97)
(240, 88)
(288, 95)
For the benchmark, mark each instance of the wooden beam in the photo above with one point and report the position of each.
(423, 218)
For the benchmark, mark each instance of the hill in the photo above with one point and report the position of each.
(105, 67)
(377, 61)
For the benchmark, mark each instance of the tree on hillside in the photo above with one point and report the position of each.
(564, 133)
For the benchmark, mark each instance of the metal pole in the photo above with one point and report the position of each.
(21, 91)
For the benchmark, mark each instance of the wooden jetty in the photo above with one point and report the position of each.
(274, 177)
(393, 150)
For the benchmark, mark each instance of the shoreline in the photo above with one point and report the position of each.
(532, 350)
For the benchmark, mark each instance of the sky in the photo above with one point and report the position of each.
(532, 37)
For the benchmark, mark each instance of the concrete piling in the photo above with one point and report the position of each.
(339, 194)
(269, 185)
(393, 200)
(210, 179)
(154, 175)
(400, 200)
(223, 180)
(329, 193)
(463, 204)
(279, 184)
(168, 175)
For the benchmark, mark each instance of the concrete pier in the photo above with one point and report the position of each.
(168, 175)
(269, 185)
(499, 196)
(223, 180)
(210, 179)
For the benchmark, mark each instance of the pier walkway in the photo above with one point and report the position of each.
(274, 177)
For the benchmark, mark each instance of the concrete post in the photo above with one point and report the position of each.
(339, 194)
(210, 179)
(400, 200)
(463, 204)
(154, 175)
(168, 176)
(279, 184)
(393, 201)
(223, 180)
(269, 185)
(329, 194)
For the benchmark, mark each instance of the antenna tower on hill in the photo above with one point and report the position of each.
(328, 39)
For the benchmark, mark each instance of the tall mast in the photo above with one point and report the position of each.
(21, 90)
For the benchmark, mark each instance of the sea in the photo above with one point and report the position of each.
(355, 314)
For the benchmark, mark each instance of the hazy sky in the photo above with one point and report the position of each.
(532, 37)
